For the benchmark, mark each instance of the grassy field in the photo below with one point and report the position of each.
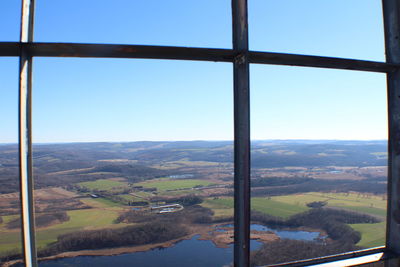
(9, 239)
(176, 193)
(79, 220)
(103, 184)
(284, 206)
(370, 204)
(372, 235)
(104, 211)
(101, 203)
(264, 205)
(164, 185)
(102, 215)
(276, 208)
(131, 198)
(222, 207)
(186, 163)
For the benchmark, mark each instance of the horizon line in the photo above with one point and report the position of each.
(194, 140)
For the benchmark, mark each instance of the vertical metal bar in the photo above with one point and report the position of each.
(25, 136)
(391, 12)
(241, 133)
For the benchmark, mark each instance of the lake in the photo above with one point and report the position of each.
(192, 252)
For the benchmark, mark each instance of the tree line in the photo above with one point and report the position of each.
(149, 233)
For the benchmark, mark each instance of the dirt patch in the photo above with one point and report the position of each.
(46, 200)
(9, 204)
(222, 237)
(53, 193)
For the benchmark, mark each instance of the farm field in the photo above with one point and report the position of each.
(102, 215)
(370, 204)
(9, 239)
(103, 184)
(372, 235)
(264, 205)
(128, 197)
(186, 163)
(276, 208)
(164, 185)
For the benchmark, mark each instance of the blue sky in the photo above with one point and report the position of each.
(128, 100)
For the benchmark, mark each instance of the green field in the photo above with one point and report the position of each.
(9, 239)
(103, 184)
(104, 211)
(143, 194)
(372, 235)
(222, 207)
(102, 215)
(264, 205)
(164, 185)
(101, 202)
(131, 198)
(276, 208)
(370, 204)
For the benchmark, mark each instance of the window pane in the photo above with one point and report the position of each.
(132, 155)
(154, 22)
(350, 29)
(10, 13)
(319, 162)
(10, 233)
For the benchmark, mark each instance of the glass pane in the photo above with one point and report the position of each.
(132, 155)
(10, 232)
(155, 22)
(10, 14)
(319, 162)
(341, 28)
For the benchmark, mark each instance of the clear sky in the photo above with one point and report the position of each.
(129, 100)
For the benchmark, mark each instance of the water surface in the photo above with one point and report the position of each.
(191, 252)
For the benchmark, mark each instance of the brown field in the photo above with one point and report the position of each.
(329, 173)
(46, 199)
(53, 193)
(9, 203)
(71, 171)
(118, 160)
(337, 176)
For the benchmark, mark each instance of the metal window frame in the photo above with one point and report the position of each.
(241, 58)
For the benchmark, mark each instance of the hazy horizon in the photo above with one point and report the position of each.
(202, 140)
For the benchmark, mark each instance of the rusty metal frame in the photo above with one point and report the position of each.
(241, 57)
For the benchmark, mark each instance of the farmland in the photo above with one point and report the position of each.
(264, 205)
(286, 206)
(364, 203)
(102, 214)
(107, 186)
(169, 185)
(372, 235)
(103, 184)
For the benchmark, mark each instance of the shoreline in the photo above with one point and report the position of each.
(219, 239)
(106, 251)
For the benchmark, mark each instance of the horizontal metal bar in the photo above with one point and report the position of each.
(348, 255)
(189, 53)
(10, 49)
(119, 51)
(320, 62)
